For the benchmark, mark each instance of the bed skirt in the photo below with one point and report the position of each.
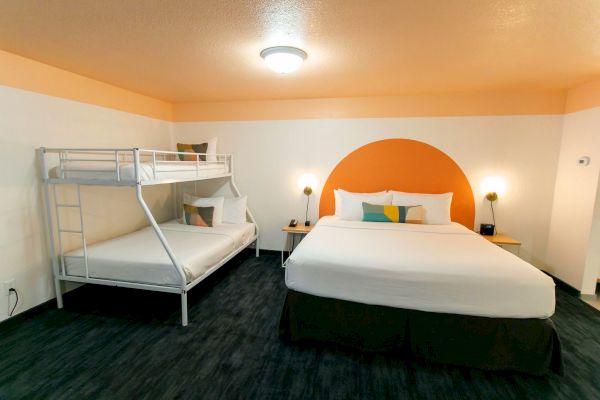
(525, 345)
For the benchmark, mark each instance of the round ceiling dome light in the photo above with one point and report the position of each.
(283, 59)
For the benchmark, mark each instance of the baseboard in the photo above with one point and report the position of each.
(36, 310)
(51, 304)
(588, 297)
(564, 285)
(268, 252)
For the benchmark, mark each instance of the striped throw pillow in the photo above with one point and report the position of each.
(192, 149)
(198, 216)
(401, 214)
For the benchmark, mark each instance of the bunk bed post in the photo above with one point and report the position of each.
(184, 308)
(161, 237)
(237, 193)
(50, 227)
(174, 197)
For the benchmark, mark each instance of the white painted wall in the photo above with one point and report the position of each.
(592, 271)
(270, 155)
(29, 120)
(572, 254)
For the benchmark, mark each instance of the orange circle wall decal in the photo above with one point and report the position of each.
(405, 165)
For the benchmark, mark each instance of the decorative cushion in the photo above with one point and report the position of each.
(216, 202)
(198, 216)
(348, 205)
(192, 149)
(437, 206)
(386, 213)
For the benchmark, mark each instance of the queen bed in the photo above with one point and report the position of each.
(435, 268)
(440, 293)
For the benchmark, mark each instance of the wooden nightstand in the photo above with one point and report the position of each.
(290, 233)
(504, 241)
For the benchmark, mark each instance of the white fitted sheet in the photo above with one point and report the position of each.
(105, 171)
(435, 268)
(139, 256)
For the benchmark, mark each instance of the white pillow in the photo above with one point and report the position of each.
(336, 196)
(216, 202)
(437, 206)
(348, 205)
(234, 210)
(211, 149)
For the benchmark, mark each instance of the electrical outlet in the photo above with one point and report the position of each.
(6, 285)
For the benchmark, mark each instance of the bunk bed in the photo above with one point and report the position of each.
(168, 257)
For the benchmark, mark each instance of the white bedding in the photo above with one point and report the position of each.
(436, 268)
(139, 256)
(94, 170)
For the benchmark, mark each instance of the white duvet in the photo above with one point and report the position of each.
(436, 268)
(139, 256)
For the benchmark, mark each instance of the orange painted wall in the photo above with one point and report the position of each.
(27, 74)
(584, 96)
(495, 103)
(23, 73)
(404, 165)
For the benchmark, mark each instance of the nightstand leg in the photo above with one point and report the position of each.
(283, 247)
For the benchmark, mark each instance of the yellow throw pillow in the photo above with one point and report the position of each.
(193, 149)
(386, 213)
(198, 216)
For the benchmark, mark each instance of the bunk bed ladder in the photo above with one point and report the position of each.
(62, 231)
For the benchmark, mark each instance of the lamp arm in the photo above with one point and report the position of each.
(493, 215)
(307, 202)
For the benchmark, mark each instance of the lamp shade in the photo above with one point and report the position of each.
(493, 184)
(307, 180)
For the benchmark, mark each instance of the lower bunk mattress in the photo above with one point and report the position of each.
(139, 257)
(529, 345)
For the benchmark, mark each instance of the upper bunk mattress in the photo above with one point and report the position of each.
(140, 257)
(106, 171)
(435, 268)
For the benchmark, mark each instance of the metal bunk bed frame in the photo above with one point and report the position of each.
(118, 156)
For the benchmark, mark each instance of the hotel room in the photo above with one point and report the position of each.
(300, 199)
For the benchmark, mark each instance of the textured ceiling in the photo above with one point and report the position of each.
(185, 50)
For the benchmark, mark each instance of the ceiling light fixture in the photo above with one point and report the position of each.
(283, 59)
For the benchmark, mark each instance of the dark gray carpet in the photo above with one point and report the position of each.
(111, 343)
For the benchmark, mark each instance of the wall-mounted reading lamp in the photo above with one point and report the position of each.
(492, 186)
(306, 183)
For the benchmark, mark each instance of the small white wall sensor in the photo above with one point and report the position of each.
(583, 161)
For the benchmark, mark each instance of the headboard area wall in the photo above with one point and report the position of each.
(404, 165)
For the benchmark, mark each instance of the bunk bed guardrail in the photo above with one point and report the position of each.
(127, 167)
(118, 165)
